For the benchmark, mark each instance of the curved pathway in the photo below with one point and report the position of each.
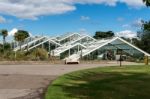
(31, 81)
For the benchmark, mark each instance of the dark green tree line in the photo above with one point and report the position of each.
(101, 34)
(144, 36)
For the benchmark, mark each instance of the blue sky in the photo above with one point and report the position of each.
(59, 17)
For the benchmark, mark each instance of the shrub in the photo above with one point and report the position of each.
(39, 54)
(20, 55)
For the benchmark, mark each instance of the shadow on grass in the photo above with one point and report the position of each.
(106, 85)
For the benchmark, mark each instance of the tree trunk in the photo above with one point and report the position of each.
(20, 46)
(3, 43)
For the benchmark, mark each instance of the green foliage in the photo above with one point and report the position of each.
(4, 49)
(34, 55)
(20, 56)
(144, 35)
(1, 48)
(134, 41)
(7, 53)
(146, 26)
(100, 34)
(147, 2)
(4, 33)
(20, 36)
(39, 54)
(7, 46)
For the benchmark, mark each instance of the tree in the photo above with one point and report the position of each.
(20, 36)
(136, 41)
(4, 33)
(147, 2)
(40, 54)
(144, 36)
(100, 34)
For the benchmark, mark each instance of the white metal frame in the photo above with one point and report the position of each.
(88, 48)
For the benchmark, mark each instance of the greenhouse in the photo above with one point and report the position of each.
(75, 47)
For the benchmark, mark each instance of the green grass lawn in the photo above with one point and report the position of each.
(128, 82)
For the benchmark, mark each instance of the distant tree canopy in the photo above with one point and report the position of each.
(4, 33)
(20, 36)
(147, 2)
(144, 35)
(101, 34)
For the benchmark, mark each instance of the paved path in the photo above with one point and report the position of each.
(29, 81)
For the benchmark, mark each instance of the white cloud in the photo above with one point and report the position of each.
(120, 19)
(12, 32)
(133, 3)
(2, 19)
(126, 34)
(32, 9)
(84, 18)
(106, 2)
(126, 25)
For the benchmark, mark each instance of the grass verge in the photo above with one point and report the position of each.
(128, 82)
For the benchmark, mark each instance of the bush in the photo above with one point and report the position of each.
(39, 54)
(7, 46)
(20, 55)
(34, 55)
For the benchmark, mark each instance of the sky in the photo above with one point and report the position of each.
(57, 17)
